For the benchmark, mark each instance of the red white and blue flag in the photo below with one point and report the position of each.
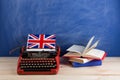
(41, 41)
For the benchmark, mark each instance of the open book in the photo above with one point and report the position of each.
(88, 52)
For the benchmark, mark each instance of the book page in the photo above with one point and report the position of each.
(93, 46)
(88, 45)
(72, 54)
(76, 48)
(95, 53)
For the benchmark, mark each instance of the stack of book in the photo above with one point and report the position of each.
(81, 56)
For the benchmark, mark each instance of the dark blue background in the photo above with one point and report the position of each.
(73, 21)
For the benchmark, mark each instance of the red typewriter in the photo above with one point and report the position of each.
(37, 58)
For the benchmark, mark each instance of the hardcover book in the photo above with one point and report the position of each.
(91, 63)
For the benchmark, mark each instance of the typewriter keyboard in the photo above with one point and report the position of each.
(37, 64)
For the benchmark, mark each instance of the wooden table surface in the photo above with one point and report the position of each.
(110, 70)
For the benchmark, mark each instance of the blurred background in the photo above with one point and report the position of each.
(73, 22)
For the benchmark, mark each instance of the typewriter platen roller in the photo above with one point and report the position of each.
(38, 62)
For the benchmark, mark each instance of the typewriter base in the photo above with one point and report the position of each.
(21, 72)
(52, 71)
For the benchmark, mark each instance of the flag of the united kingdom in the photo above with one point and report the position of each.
(41, 41)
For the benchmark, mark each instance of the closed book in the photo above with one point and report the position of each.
(80, 60)
(91, 63)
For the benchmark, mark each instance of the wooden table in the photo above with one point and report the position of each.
(110, 70)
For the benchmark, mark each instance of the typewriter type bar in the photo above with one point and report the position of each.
(44, 62)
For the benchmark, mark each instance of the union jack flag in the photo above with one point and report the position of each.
(41, 41)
